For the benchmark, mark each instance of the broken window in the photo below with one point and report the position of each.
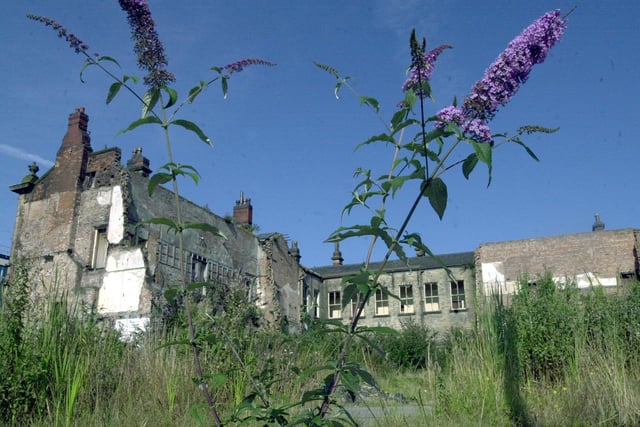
(406, 299)
(457, 295)
(100, 246)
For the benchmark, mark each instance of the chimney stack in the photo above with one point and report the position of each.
(598, 224)
(138, 163)
(243, 211)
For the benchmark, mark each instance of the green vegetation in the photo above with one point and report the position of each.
(555, 356)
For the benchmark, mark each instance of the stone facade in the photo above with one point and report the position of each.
(84, 226)
(425, 293)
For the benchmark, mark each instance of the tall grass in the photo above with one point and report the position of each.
(63, 368)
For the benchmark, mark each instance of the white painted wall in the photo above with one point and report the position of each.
(123, 281)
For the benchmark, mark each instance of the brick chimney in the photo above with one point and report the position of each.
(243, 211)
(73, 154)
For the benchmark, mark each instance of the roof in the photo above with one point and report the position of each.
(415, 263)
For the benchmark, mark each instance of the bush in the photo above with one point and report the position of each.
(546, 317)
(413, 347)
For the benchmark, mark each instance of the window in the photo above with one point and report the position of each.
(457, 295)
(431, 299)
(199, 271)
(406, 299)
(335, 305)
(382, 303)
(100, 245)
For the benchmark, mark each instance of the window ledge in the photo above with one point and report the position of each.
(433, 312)
(382, 315)
(455, 310)
(407, 314)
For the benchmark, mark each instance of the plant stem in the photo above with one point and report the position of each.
(187, 301)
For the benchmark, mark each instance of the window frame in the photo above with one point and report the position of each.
(100, 250)
(458, 299)
(334, 306)
(381, 303)
(431, 299)
(407, 301)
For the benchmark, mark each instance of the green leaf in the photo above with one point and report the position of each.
(149, 101)
(348, 293)
(204, 227)
(113, 91)
(170, 294)
(377, 329)
(528, 150)
(216, 380)
(134, 79)
(484, 152)
(197, 90)
(193, 128)
(108, 59)
(173, 96)
(225, 86)
(469, 164)
(196, 285)
(436, 191)
(158, 179)
(140, 122)
(336, 89)
(84, 67)
(164, 221)
(372, 102)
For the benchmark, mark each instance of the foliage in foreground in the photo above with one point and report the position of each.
(59, 369)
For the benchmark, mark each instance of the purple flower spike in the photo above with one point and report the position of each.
(450, 114)
(238, 66)
(75, 43)
(478, 130)
(512, 67)
(148, 48)
(423, 69)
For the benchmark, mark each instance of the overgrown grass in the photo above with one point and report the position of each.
(62, 368)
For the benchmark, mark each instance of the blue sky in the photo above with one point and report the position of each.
(283, 139)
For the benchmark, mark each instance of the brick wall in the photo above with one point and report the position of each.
(604, 254)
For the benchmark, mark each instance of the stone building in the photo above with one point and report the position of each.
(425, 292)
(83, 225)
(427, 295)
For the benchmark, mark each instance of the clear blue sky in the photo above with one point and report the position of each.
(283, 139)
